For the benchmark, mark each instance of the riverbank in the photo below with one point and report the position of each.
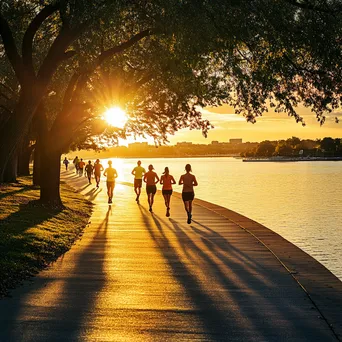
(137, 276)
(287, 159)
(32, 236)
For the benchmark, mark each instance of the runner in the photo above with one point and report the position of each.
(89, 170)
(97, 172)
(111, 174)
(76, 162)
(138, 173)
(66, 163)
(81, 167)
(167, 180)
(151, 179)
(189, 181)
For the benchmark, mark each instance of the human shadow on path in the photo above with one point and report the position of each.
(231, 297)
(72, 305)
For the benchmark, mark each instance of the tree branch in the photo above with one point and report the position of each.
(11, 50)
(31, 32)
(123, 46)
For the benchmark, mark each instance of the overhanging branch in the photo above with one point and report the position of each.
(31, 32)
(11, 50)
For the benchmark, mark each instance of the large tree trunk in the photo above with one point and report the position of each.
(36, 165)
(24, 159)
(13, 132)
(10, 171)
(50, 178)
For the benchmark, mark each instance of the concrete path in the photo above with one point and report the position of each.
(137, 276)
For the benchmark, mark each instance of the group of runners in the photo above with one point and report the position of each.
(150, 177)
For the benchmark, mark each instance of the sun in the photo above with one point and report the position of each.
(116, 117)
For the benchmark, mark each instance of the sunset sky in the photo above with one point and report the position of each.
(272, 126)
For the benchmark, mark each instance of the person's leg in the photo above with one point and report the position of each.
(152, 199)
(89, 177)
(108, 191)
(112, 190)
(165, 199)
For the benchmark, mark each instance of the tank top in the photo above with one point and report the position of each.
(167, 182)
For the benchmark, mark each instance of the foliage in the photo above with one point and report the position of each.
(32, 236)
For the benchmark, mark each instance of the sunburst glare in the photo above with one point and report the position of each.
(116, 117)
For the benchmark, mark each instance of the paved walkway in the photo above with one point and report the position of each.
(136, 276)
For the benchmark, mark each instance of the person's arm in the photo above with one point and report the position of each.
(116, 174)
(162, 180)
(180, 180)
(157, 179)
(194, 181)
(144, 178)
(102, 168)
(133, 172)
(173, 180)
(105, 173)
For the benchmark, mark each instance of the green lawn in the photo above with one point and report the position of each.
(32, 236)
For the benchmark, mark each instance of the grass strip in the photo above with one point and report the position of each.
(32, 236)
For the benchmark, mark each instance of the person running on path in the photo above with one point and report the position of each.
(89, 170)
(97, 172)
(81, 167)
(76, 162)
(111, 174)
(167, 180)
(151, 179)
(138, 173)
(189, 181)
(66, 163)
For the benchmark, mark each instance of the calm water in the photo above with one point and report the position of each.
(300, 201)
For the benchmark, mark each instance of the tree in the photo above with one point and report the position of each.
(265, 149)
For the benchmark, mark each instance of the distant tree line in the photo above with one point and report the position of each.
(295, 147)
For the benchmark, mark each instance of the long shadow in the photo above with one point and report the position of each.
(215, 321)
(231, 284)
(24, 188)
(75, 299)
(93, 193)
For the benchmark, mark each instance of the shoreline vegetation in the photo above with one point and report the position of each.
(32, 235)
(290, 148)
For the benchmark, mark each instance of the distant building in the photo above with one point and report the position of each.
(235, 141)
(215, 142)
(184, 144)
(138, 145)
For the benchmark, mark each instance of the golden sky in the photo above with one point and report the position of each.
(271, 126)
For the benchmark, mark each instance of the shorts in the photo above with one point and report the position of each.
(151, 189)
(188, 196)
(167, 192)
(110, 185)
(137, 183)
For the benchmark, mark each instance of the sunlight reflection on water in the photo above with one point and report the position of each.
(300, 201)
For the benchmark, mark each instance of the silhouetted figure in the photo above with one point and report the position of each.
(111, 174)
(89, 170)
(81, 167)
(97, 172)
(167, 180)
(66, 163)
(76, 162)
(138, 173)
(189, 181)
(151, 179)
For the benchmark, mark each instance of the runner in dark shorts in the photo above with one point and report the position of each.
(138, 173)
(97, 172)
(151, 179)
(189, 181)
(167, 180)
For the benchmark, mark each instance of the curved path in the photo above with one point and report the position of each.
(137, 276)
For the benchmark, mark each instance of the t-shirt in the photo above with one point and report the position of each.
(89, 168)
(167, 184)
(81, 164)
(138, 172)
(97, 168)
(110, 172)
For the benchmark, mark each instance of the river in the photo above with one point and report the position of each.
(300, 201)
